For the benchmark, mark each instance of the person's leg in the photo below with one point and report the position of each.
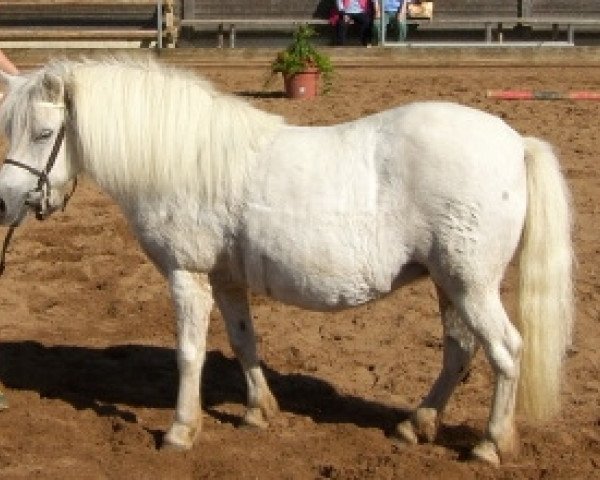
(369, 32)
(402, 30)
(376, 31)
(377, 28)
(341, 31)
(364, 22)
(391, 25)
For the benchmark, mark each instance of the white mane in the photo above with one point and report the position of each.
(206, 140)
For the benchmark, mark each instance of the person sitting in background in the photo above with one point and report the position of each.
(394, 17)
(354, 11)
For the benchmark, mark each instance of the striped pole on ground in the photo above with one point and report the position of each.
(542, 95)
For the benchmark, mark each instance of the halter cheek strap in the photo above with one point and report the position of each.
(44, 186)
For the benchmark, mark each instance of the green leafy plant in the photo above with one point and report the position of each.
(301, 55)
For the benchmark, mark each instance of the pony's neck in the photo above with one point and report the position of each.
(146, 131)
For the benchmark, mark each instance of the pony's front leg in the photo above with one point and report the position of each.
(193, 302)
(460, 346)
(233, 303)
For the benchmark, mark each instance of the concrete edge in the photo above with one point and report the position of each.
(393, 57)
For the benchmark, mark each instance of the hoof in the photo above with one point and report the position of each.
(421, 427)
(259, 416)
(254, 418)
(3, 402)
(180, 437)
(405, 433)
(486, 452)
(426, 424)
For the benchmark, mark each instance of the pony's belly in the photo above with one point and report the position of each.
(327, 277)
(324, 259)
(323, 292)
(315, 291)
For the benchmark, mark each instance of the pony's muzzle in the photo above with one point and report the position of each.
(4, 212)
(12, 208)
(34, 199)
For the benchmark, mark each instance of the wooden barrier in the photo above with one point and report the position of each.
(144, 21)
(498, 24)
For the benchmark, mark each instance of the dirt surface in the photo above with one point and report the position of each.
(87, 332)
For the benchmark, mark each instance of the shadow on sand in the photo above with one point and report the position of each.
(100, 379)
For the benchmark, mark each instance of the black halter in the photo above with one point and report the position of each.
(41, 206)
(44, 185)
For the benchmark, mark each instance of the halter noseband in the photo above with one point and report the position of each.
(44, 186)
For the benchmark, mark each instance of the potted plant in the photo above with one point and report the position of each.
(301, 65)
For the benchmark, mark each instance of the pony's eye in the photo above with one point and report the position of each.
(45, 134)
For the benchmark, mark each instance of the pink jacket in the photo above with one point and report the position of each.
(334, 15)
(363, 3)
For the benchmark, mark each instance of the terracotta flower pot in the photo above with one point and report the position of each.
(302, 85)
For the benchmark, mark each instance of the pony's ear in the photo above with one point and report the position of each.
(54, 88)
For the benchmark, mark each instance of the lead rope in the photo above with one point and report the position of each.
(9, 234)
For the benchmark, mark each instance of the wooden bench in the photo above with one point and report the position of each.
(232, 16)
(497, 24)
(492, 16)
(232, 25)
(493, 26)
(143, 21)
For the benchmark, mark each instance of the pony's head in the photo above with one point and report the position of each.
(36, 172)
(135, 127)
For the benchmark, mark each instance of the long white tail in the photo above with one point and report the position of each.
(546, 308)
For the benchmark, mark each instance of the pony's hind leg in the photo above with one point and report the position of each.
(459, 348)
(233, 303)
(193, 302)
(485, 315)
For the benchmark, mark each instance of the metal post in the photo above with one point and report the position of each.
(488, 32)
(382, 24)
(220, 36)
(232, 36)
(159, 24)
(571, 34)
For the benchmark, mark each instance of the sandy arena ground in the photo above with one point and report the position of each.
(87, 331)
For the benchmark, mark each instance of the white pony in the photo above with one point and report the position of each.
(224, 198)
